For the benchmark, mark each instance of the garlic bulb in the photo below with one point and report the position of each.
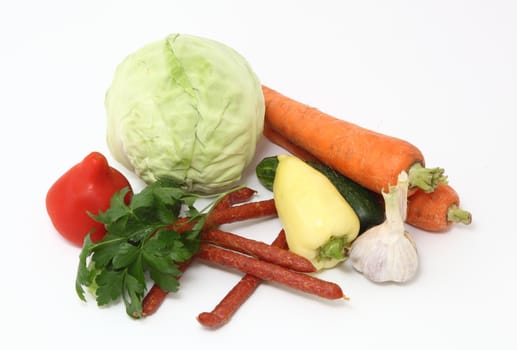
(387, 252)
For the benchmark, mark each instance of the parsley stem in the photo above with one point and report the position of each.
(212, 204)
(103, 243)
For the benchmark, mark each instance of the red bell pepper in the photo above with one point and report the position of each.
(86, 188)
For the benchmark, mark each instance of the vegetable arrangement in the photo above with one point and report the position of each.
(185, 114)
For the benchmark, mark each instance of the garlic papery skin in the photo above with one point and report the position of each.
(387, 252)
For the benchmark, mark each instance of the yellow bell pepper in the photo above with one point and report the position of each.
(319, 223)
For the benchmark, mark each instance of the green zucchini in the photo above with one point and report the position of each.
(368, 205)
(266, 171)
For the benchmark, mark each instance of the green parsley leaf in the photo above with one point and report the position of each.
(136, 269)
(134, 293)
(160, 263)
(139, 243)
(165, 281)
(117, 209)
(125, 255)
(104, 253)
(109, 286)
(84, 275)
(162, 242)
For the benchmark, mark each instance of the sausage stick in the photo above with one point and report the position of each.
(270, 272)
(155, 297)
(241, 212)
(223, 311)
(238, 196)
(258, 249)
(247, 211)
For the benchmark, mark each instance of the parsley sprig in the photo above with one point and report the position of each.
(139, 242)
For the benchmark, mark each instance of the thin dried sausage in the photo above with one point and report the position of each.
(270, 272)
(155, 297)
(227, 307)
(258, 249)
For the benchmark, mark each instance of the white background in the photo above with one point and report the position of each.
(440, 74)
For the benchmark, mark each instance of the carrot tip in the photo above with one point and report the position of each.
(346, 298)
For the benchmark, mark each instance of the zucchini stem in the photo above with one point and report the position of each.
(426, 178)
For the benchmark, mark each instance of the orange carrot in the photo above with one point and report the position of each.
(430, 211)
(281, 141)
(371, 159)
(436, 211)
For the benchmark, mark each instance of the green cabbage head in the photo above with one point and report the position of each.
(186, 108)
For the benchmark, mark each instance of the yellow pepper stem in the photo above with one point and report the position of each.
(333, 249)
